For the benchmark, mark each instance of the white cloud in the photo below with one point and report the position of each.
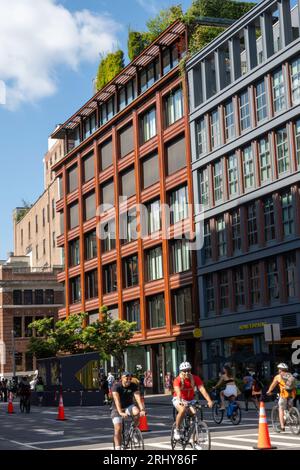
(37, 36)
(151, 6)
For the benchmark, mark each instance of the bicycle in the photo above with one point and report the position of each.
(291, 416)
(25, 403)
(194, 431)
(132, 438)
(233, 410)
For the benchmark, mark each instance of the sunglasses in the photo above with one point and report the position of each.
(186, 371)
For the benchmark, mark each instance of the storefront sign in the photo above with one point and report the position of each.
(252, 326)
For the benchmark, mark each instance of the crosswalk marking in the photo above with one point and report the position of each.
(243, 439)
(230, 446)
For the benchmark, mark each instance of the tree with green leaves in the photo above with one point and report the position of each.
(110, 65)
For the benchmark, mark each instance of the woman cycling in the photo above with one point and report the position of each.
(231, 389)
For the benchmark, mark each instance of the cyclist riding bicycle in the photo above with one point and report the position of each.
(230, 390)
(287, 390)
(124, 393)
(184, 394)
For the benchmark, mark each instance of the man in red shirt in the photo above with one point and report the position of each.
(184, 394)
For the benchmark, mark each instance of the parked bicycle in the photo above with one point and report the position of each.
(291, 416)
(132, 438)
(233, 410)
(194, 431)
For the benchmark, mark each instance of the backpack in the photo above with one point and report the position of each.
(290, 382)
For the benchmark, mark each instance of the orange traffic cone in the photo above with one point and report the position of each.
(264, 442)
(143, 424)
(10, 407)
(61, 410)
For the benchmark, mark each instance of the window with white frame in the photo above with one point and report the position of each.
(233, 175)
(201, 137)
(272, 278)
(224, 290)
(261, 101)
(218, 181)
(179, 204)
(229, 121)
(244, 111)
(148, 125)
(221, 236)
(264, 160)
(295, 80)
(287, 213)
(154, 216)
(156, 307)
(297, 141)
(283, 162)
(183, 306)
(204, 187)
(255, 284)
(236, 230)
(248, 167)
(215, 129)
(181, 256)
(269, 219)
(278, 91)
(173, 107)
(252, 224)
(154, 264)
(207, 241)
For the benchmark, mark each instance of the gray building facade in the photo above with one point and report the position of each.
(244, 91)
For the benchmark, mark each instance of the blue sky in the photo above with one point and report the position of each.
(48, 70)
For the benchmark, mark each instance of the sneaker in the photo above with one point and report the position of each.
(177, 436)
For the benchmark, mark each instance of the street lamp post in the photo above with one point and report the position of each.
(13, 353)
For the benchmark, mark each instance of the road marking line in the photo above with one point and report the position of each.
(230, 446)
(241, 439)
(281, 436)
(25, 445)
(159, 445)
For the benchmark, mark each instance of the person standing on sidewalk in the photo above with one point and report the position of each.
(247, 388)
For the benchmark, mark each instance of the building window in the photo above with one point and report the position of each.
(278, 91)
(272, 275)
(248, 168)
(126, 95)
(236, 230)
(204, 187)
(36, 224)
(261, 101)
(72, 179)
(297, 139)
(180, 255)
(207, 241)
(154, 264)
(22, 237)
(89, 204)
(283, 162)
(252, 224)
(73, 216)
(74, 253)
(183, 306)
(91, 284)
(149, 75)
(17, 297)
(156, 306)
(218, 181)
(233, 175)
(37, 252)
(28, 361)
(244, 111)
(17, 322)
(221, 236)
(170, 58)
(19, 361)
(29, 231)
(148, 126)
(133, 313)
(53, 208)
(28, 297)
(295, 79)
(126, 141)
(210, 293)
(75, 290)
(176, 156)
(53, 240)
(131, 271)
(44, 217)
(39, 296)
(290, 268)
(201, 137)
(107, 111)
(269, 219)
(215, 129)
(128, 226)
(238, 280)
(108, 236)
(107, 194)
(128, 184)
(110, 278)
(150, 170)
(229, 121)
(179, 208)
(153, 216)
(89, 125)
(173, 107)
(106, 158)
(224, 290)
(287, 213)
(49, 297)
(88, 168)
(28, 331)
(90, 245)
(264, 160)
(255, 285)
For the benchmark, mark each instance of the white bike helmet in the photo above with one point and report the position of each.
(185, 366)
(283, 366)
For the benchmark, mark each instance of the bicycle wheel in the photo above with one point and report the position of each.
(136, 440)
(217, 414)
(275, 419)
(236, 416)
(294, 420)
(175, 444)
(201, 436)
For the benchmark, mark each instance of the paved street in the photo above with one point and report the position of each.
(91, 428)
